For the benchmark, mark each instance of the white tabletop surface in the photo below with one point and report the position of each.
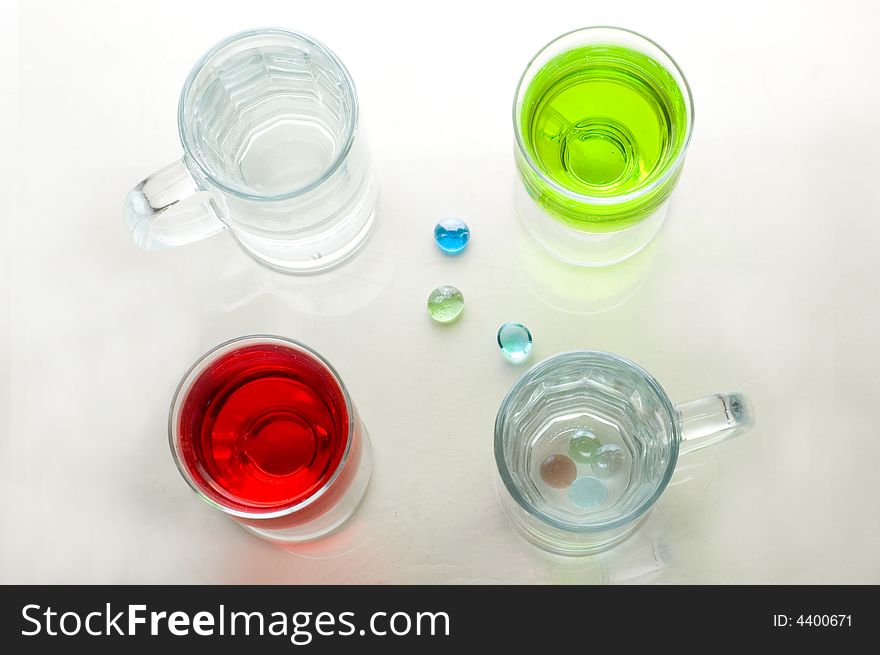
(764, 280)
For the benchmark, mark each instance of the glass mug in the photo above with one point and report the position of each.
(273, 151)
(602, 119)
(263, 429)
(586, 441)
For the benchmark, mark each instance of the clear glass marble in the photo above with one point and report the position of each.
(608, 460)
(515, 341)
(452, 235)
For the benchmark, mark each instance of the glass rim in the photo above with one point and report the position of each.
(585, 197)
(499, 446)
(193, 373)
(241, 192)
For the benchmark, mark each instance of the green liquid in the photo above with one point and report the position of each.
(602, 121)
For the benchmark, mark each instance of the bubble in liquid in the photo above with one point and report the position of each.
(445, 304)
(588, 492)
(583, 446)
(515, 342)
(558, 471)
(608, 460)
(452, 235)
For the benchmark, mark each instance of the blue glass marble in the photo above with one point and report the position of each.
(515, 342)
(588, 492)
(452, 235)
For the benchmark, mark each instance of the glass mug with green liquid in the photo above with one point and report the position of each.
(602, 119)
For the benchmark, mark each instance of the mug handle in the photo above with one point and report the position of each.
(713, 419)
(169, 208)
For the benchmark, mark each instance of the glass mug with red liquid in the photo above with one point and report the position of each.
(262, 428)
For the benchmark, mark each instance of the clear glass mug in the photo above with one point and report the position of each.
(263, 429)
(273, 151)
(602, 119)
(586, 441)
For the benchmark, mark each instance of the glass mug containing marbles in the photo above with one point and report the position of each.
(602, 119)
(273, 152)
(586, 441)
(263, 429)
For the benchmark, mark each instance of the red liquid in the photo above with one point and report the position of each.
(263, 428)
